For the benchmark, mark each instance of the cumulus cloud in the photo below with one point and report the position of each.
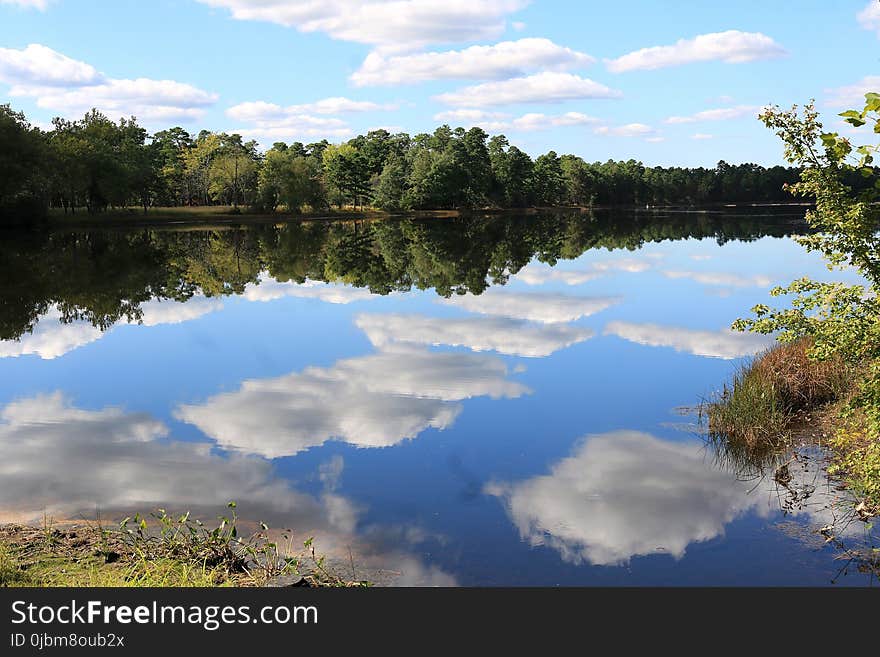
(625, 494)
(270, 289)
(722, 278)
(297, 128)
(115, 460)
(717, 114)
(538, 273)
(262, 111)
(732, 47)
(506, 336)
(492, 121)
(530, 306)
(167, 311)
(852, 96)
(724, 344)
(547, 87)
(389, 23)
(52, 338)
(498, 121)
(370, 401)
(536, 121)
(501, 61)
(628, 130)
(273, 122)
(869, 17)
(38, 65)
(71, 87)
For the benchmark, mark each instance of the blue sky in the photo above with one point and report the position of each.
(671, 83)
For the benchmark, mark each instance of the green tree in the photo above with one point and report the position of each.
(840, 319)
(22, 167)
(549, 180)
(390, 190)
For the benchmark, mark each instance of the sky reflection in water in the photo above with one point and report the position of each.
(525, 435)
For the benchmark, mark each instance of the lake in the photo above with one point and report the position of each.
(465, 401)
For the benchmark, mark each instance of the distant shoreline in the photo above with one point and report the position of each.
(206, 216)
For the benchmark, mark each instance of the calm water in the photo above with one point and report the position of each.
(475, 402)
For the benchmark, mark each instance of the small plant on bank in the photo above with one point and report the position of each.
(766, 396)
(219, 549)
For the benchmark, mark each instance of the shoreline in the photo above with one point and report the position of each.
(223, 216)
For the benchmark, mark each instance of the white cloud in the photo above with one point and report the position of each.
(472, 115)
(115, 460)
(261, 111)
(626, 494)
(538, 273)
(149, 100)
(166, 311)
(370, 401)
(71, 87)
(273, 122)
(535, 121)
(869, 17)
(37, 65)
(628, 130)
(852, 96)
(503, 335)
(546, 87)
(297, 129)
(270, 289)
(491, 121)
(52, 338)
(631, 265)
(41, 5)
(500, 61)
(724, 344)
(717, 114)
(498, 121)
(702, 136)
(535, 307)
(655, 140)
(390, 23)
(733, 47)
(722, 278)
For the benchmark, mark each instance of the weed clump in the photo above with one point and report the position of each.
(758, 407)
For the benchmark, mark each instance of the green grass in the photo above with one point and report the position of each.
(50, 570)
(164, 551)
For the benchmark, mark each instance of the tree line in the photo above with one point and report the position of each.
(95, 164)
(104, 276)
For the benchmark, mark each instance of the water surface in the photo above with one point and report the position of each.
(482, 401)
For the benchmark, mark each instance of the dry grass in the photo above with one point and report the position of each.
(758, 407)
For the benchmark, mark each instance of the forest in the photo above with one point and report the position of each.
(95, 164)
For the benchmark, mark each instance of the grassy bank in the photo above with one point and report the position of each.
(784, 395)
(164, 552)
